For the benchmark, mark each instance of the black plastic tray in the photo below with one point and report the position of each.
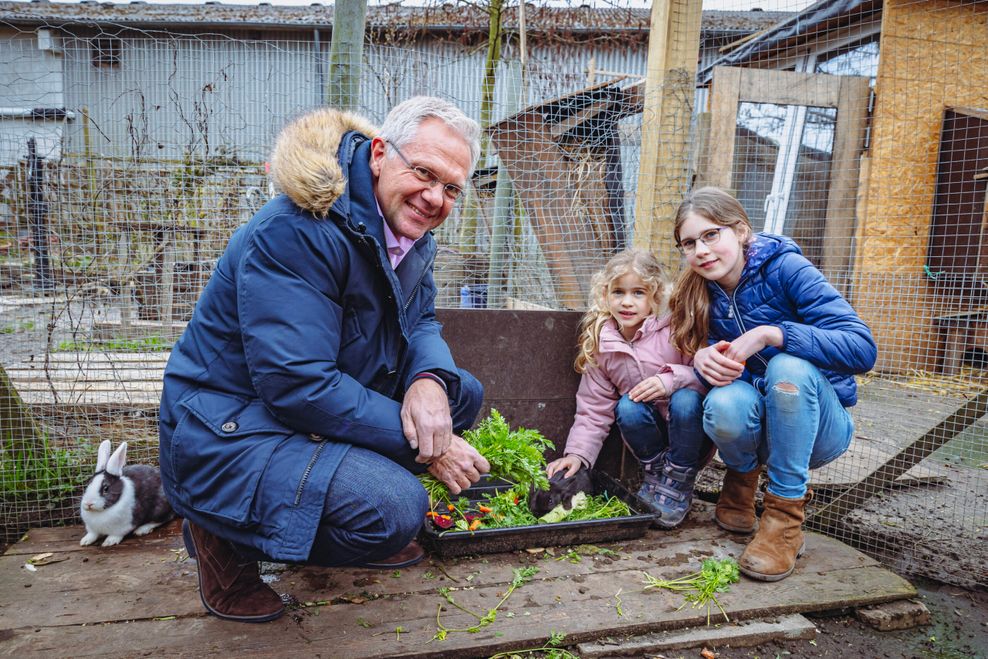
(488, 541)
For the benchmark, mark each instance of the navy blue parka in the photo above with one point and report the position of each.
(299, 347)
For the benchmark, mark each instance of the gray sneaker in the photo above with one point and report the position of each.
(667, 490)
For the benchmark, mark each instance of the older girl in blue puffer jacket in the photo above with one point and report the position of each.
(780, 347)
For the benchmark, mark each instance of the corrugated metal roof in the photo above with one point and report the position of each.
(813, 23)
(446, 17)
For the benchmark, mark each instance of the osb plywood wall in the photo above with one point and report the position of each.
(933, 55)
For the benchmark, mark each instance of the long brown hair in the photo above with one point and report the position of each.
(649, 270)
(690, 301)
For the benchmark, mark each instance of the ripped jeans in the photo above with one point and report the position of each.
(791, 429)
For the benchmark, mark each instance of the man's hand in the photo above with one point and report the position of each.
(715, 367)
(570, 463)
(426, 420)
(460, 466)
(648, 390)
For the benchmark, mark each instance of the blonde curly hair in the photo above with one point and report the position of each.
(637, 261)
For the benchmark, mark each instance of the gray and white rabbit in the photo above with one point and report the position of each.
(122, 498)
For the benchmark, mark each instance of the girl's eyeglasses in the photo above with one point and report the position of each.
(450, 191)
(708, 238)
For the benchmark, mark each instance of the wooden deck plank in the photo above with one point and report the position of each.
(84, 600)
(368, 629)
(92, 400)
(92, 379)
(98, 357)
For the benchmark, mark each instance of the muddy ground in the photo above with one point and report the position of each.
(958, 630)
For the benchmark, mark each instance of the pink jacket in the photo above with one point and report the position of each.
(622, 364)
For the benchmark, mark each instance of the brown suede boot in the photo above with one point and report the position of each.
(736, 505)
(771, 555)
(230, 586)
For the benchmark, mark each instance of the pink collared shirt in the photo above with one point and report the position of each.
(396, 246)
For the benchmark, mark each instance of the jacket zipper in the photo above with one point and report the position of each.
(308, 470)
(638, 363)
(411, 296)
(737, 314)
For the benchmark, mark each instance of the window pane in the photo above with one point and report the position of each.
(860, 59)
(807, 213)
(756, 150)
(763, 131)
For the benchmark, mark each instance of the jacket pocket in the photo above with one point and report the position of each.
(220, 451)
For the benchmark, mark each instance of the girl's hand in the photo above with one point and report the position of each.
(717, 368)
(570, 463)
(648, 390)
(752, 341)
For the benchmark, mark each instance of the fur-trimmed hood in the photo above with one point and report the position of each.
(304, 162)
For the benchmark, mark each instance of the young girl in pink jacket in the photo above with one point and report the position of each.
(633, 376)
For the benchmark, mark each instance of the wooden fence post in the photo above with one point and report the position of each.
(673, 48)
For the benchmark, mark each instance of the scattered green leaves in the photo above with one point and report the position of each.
(521, 576)
(701, 588)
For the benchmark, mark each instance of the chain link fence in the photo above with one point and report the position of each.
(129, 154)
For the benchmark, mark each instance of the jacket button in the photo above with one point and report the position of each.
(229, 426)
(316, 438)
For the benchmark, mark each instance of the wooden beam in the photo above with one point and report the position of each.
(849, 135)
(724, 99)
(789, 88)
(670, 87)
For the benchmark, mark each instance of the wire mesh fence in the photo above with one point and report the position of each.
(130, 152)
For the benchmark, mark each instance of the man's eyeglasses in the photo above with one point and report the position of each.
(451, 191)
(708, 238)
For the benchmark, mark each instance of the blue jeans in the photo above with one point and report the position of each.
(374, 505)
(647, 434)
(798, 425)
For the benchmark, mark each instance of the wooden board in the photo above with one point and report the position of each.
(91, 379)
(140, 598)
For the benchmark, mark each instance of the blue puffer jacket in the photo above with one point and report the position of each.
(296, 349)
(780, 287)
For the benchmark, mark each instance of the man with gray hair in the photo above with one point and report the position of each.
(312, 382)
